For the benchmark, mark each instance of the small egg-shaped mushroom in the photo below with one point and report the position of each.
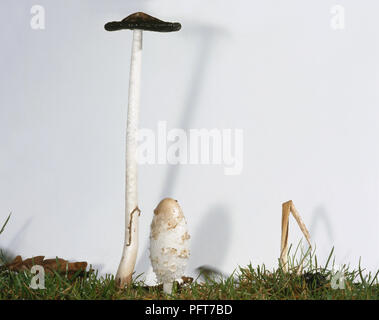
(169, 243)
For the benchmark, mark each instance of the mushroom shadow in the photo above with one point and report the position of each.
(210, 242)
(204, 38)
(207, 37)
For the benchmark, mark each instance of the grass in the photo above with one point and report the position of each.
(246, 283)
(306, 280)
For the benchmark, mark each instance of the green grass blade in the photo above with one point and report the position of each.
(6, 221)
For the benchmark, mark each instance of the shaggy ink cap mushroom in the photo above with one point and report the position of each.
(138, 22)
(143, 21)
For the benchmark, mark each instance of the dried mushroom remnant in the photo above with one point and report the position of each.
(169, 243)
(287, 208)
(50, 265)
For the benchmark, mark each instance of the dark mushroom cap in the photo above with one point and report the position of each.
(143, 21)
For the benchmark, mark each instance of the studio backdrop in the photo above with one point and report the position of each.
(249, 105)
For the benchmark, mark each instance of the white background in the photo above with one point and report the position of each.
(305, 95)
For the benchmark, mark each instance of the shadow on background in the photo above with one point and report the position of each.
(320, 215)
(210, 242)
(204, 37)
(9, 253)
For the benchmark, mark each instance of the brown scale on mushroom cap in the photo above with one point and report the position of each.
(143, 21)
(168, 214)
(185, 237)
(184, 254)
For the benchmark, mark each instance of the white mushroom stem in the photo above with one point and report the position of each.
(167, 287)
(129, 255)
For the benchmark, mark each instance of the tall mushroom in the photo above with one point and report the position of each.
(137, 22)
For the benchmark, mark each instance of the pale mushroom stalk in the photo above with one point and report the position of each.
(167, 287)
(130, 250)
(137, 22)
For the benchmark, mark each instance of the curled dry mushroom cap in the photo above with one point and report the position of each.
(143, 21)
